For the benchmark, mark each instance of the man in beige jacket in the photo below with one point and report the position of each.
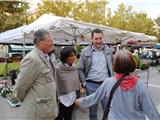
(35, 85)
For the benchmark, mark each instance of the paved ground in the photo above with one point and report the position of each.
(9, 113)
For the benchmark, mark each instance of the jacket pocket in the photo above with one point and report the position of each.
(46, 71)
(45, 108)
(46, 75)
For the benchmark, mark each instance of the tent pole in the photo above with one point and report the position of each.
(24, 44)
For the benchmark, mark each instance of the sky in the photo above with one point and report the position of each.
(151, 7)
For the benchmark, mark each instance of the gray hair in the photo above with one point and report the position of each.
(39, 35)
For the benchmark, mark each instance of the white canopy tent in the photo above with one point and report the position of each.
(63, 29)
(138, 36)
(13, 36)
(67, 31)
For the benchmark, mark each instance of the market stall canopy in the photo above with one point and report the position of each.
(139, 36)
(67, 31)
(63, 29)
(131, 41)
(13, 36)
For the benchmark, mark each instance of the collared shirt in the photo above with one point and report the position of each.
(94, 49)
(47, 56)
(98, 70)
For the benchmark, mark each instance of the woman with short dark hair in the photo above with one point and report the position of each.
(131, 100)
(67, 80)
(124, 63)
(66, 53)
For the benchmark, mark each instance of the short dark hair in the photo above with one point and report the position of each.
(96, 31)
(65, 53)
(124, 62)
(40, 35)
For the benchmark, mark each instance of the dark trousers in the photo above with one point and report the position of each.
(65, 113)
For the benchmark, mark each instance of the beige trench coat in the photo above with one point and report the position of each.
(36, 88)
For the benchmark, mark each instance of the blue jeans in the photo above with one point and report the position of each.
(91, 88)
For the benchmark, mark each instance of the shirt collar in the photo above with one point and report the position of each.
(94, 49)
(67, 65)
(43, 54)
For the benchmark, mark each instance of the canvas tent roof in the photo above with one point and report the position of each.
(62, 28)
(139, 36)
(13, 36)
(66, 28)
(66, 31)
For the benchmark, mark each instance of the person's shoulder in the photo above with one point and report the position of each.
(32, 55)
(107, 47)
(140, 86)
(108, 50)
(87, 48)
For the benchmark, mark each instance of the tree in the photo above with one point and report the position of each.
(58, 8)
(121, 17)
(92, 12)
(81, 11)
(140, 22)
(157, 20)
(12, 14)
(126, 19)
(157, 27)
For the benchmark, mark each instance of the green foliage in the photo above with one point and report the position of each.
(138, 61)
(92, 12)
(139, 22)
(126, 19)
(121, 17)
(140, 64)
(10, 66)
(82, 11)
(157, 28)
(58, 8)
(144, 66)
(12, 14)
(78, 49)
(157, 20)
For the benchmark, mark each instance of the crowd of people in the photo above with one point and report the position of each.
(50, 90)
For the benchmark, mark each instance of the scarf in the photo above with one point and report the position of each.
(129, 81)
(67, 78)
